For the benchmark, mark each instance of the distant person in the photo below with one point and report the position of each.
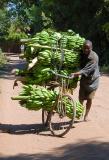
(89, 72)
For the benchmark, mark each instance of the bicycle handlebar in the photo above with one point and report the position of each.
(60, 75)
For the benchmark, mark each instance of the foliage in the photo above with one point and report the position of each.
(4, 23)
(24, 17)
(104, 69)
(14, 33)
(2, 58)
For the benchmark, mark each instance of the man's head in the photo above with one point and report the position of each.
(87, 47)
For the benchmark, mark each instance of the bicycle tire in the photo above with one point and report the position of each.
(60, 129)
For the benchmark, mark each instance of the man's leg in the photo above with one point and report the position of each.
(88, 106)
(81, 95)
(89, 98)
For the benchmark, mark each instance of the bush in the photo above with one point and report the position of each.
(104, 69)
(3, 59)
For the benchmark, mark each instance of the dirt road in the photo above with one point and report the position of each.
(22, 136)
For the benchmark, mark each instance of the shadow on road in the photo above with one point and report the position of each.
(23, 128)
(83, 150)
(20, 129)
(13, 63)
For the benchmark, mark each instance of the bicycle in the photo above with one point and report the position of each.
(57, 118)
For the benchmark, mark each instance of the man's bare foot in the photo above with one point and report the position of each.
(86, 119)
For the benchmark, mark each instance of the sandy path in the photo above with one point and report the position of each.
(87, 141)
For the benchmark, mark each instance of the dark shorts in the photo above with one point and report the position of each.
(84, 95)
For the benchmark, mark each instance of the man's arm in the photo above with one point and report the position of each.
(90, 66)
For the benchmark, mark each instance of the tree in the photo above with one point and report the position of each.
(4, 23)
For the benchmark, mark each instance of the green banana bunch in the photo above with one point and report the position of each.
(48, 46)
(36, 97)
(79, 109)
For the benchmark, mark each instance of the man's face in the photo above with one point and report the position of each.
(87, 49)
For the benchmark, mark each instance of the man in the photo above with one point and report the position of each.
(89, 76)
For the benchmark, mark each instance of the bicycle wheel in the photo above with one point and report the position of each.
(60, 122)
(45, 117)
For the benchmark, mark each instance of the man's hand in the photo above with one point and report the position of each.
(72, 75)
(76, 74)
